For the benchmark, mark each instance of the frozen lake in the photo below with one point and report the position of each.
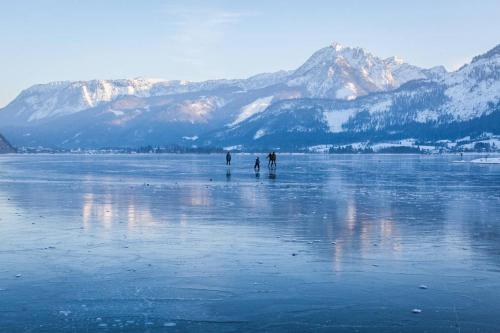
(165, 243)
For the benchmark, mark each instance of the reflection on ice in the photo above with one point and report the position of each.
(334, 242)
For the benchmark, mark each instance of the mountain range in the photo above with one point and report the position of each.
(340, 95)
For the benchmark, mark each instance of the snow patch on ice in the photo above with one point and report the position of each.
(486, 160)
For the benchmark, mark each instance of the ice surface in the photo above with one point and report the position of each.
(486, 160)
(157, 243)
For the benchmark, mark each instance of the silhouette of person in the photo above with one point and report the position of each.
(270, 159)
(273, 159)
(257, 164)
(228, 158)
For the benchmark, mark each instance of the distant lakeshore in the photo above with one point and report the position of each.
(185, 150)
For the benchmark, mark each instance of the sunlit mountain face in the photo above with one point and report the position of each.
(340, 95)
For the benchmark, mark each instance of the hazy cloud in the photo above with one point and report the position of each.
(198, 32)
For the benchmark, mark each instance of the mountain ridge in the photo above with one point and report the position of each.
(450, 106)
(103, 113)
(359, 73)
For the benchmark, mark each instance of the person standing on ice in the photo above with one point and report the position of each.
(269, 160)
(257, 164)
(273, 159)
(228, 158)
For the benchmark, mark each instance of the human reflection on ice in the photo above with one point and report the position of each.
(111, 208)
(197, 195)
(131, 215)
(140, 219)
(88, 200)
(94, 211)
(376, 202)
(105, 211)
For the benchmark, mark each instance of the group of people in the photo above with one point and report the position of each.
(271, 157)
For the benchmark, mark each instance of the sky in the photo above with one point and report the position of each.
(54, 40)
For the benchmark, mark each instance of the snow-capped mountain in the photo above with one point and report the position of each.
(448, 105)
(339, 94)
(44, 101)
(332, 72)
(345, 73)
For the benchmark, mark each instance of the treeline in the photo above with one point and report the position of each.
(169, 149)
(176, 149)
(386, 150)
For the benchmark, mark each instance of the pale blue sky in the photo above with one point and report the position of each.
(48, 40)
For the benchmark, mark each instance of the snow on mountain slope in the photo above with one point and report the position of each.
(63, 98)
(339, 93)
(346, 73)
(450, 104)
(44, 102)
(253, 108)
(264, 80)
(333, 72)
(335, 119)
(476, 85)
